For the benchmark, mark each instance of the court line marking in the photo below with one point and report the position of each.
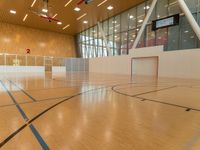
(26, 119)
(43, 112)
(156, 101)
(32, 98)
(53, 106)
(38, 101)
(14, 101)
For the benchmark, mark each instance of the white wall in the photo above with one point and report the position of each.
(58, 69)
(30, 69)
(111, 65)
(179, 64)
(147, 66)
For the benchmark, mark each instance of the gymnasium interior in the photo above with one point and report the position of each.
(100, 74)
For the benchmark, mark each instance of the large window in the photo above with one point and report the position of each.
(120, 31)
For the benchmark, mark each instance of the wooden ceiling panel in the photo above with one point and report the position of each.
(66, 15)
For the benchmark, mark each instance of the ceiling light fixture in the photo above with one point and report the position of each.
(59, 23)
(146, 7)
(13, 12)
(110, 7)
(102, 3)
(54, 15)
(131, 16)
(114, 22)
(25, 17)
(85, 22)
(81, 16)
(68, 3)
(44, 10)
(140, 21)
(77, 9)
(66, 26)
(34, 1)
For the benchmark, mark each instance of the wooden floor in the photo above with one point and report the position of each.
(98, 112)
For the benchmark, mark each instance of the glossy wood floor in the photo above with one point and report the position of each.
(79, 111)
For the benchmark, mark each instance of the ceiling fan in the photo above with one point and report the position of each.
(84, 1)
(44, 11)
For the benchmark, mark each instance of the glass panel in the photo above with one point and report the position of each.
(117, 44)
(58, 62)
(105, 28)
(111, 26)
(124, 43)
(173, 38)
(21, 60)
(142, 41)
(153, 15)
(39, 61)
(140, 14)
(188, 38)
(2, 59)
(150, 39)
(11, 60)
(132, 18)
(174, 7)
(161, 36)
(116, 23)
(30, 61)
(192, 5)
(111, 44)
(124, 22)
(162, 6)
(131, 39)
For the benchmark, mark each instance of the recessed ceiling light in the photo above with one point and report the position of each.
(140, 21)
(25, 17)
(68, 3)
(13, 12)
(85, 22)
(115, 30)
(66, 26)
(44, 10)
(102, 3)
(54, 15)
(131, 16)
(59, 23)
(114, 22)
(33, 3)
(110, 7)
(81, 16)
(77, 9)
(146, 7)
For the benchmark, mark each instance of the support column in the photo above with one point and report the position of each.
(104, 37)
(144, 24)
(190, 18)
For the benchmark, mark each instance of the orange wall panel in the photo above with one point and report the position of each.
(16, 39)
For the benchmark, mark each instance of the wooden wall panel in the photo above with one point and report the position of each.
(16, 39)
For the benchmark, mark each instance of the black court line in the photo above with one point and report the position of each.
(11, 136)
(33, 129)
(32, 98)
(156, 101)
(53, 106)
(38, 101)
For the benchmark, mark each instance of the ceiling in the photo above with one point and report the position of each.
(66, 15)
